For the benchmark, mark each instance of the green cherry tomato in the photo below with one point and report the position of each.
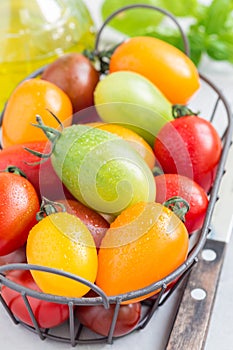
(130, 99)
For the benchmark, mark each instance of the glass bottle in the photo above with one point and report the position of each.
(35, 32)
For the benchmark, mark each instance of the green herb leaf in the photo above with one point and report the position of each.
(210, 33)
(134, 21)
(181, 8)
(216, 16)
(220, 47)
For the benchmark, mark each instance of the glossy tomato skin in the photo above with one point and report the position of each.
(76, 76)
(47, 314)
(189, 146)
(18, 207)
(95, 223)
(136, 141)
(42, 176)
(101, 169)
(144, 244)
(30, 98)
(99, 319)
(62, 241)
(164, 65)
(143, 107)
(170, 185)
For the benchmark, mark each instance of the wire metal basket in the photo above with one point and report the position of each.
(217, 108)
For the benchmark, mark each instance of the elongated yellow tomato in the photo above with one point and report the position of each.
(63, 242)
(165, 66)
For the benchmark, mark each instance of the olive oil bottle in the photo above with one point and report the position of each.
(35, 32)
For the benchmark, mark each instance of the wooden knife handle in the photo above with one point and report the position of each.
(192, 320)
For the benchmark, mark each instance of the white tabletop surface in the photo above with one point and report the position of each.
(220, 335)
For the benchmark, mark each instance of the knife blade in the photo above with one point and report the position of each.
(193, 316)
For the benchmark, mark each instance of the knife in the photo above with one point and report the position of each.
(190, 328)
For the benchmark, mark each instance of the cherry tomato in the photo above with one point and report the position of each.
(99, 319)
(189, 146)
(170, 185)
(95, 223)
(47, 314)
(136, 141)
(100, 169)
(17, 256)
(144, 244)
(42, 176)
(18, 207)
(32, 97)
(76, 76)
(164, 65)
(62, 241)
(131, 100)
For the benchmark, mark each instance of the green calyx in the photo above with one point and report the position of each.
(15, 170)
(52, 135)
(178, 205)
(49, 207)
(179, 111)
(101, 58)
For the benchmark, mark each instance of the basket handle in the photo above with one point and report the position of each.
(145, 6)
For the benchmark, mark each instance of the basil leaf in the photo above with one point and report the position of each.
(216, 16)
(132, 22)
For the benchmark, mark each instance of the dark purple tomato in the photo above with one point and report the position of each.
(76, 76)
(96, 224)
(99, 319)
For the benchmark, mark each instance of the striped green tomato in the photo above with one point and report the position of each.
(99, 168)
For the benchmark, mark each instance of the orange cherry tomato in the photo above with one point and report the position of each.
(32, 97)
(136, 141)
(167, 67)
(144, 244)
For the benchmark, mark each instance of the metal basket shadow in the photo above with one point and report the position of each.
(217, 108)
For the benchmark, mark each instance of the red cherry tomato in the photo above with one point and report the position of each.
(95, 223)
(17, 256)
(42, 176)
(170, 185)
(189, 146)
(47, 314)
(99, 319)
(18, 207)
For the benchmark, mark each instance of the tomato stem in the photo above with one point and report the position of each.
(102, 58)
(178, 205)
(15, 170)
(51, 133)
(49, 207)
(157, 170)
(179, 111)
